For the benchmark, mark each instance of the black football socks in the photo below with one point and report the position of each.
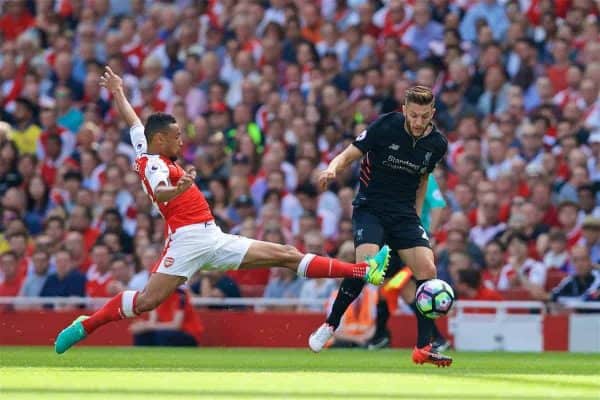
(424, 325)
(349, 290)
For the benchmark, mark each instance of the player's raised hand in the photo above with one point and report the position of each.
(325, 177)
(185, 182)
(110, 80)
(191, 171)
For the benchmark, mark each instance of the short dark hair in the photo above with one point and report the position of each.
(115, 212)
(495, 242)
(516, 236)
(158, 122)
(421, 95)
(470, 277)
(59, 219)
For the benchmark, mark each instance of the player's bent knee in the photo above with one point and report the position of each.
(427, 271)
(430, 271)
(145, 303)
(290, 253)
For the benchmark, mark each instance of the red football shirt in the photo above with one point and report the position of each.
(97, 283)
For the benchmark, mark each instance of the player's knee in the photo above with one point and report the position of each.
(427, 271)
(145, 303)
(289, 253)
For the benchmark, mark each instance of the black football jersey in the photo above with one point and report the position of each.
(393, 164)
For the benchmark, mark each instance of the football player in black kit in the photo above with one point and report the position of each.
(398, 151)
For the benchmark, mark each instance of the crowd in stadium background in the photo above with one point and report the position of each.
(268, 92)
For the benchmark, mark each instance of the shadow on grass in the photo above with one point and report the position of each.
(251, 393)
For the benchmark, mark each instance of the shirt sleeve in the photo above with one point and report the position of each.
(367, 138)
(438, 155)
(156, 173)
(138, 140)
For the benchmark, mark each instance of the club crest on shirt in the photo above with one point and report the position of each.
(168, 261)
(425, 163)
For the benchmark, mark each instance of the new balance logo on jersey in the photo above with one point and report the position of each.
(393, 146)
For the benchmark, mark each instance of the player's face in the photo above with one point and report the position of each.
(418, 117)
(172, 143)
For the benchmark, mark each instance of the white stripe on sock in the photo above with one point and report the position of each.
(127, 303)
(303, 266)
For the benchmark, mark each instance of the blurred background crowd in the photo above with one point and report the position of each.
(267, 93)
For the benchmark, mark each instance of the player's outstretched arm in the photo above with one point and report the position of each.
(339, 163)
(114, 84)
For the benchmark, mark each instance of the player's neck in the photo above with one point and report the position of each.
(426, 132)
(154, 150)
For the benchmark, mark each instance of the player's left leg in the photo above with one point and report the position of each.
(408, 293)
(127, 304)
(421, 261)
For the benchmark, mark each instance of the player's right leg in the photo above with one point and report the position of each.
(421, 261)
(127, 304)
(266, 254)
(438, 341)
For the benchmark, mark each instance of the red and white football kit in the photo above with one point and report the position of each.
(193, 241)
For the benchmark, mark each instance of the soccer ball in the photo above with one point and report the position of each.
(434, 298)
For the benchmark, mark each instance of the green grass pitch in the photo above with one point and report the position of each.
(225, 373)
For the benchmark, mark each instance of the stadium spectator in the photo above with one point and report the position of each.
(11, 277)
(99, 275)
(494, 261)
(73, 242)
(283, 285)
(214, 284)
(66, 281)
(34, 282)
(26, 132)
(172, 323)
(591, 237)
(80, 220)
(113, 223)
(583, 283)
(148, 259)
(557, 256)
(470, 287)
(121, 273)
(522, 271)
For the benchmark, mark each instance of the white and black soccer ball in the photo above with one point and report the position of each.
(434, 298)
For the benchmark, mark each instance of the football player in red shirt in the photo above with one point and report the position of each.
(193, 239)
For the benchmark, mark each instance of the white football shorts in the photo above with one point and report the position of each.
(201, 246)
